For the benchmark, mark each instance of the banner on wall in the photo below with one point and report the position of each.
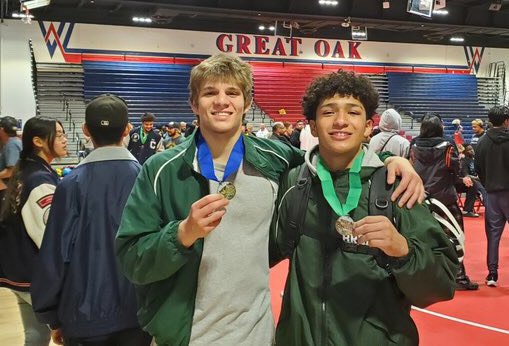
(74, 43)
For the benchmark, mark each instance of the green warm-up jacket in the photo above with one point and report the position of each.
(165, 273)
(333, 297)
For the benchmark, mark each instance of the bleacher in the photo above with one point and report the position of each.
(278, 86)
(451, 95)
(158, 88)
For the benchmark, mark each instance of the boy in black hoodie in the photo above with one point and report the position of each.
(491, 164)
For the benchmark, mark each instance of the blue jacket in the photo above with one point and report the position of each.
(77, 284)
(21, 232)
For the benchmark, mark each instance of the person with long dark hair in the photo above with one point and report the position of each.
(24, 211)
(436, 160)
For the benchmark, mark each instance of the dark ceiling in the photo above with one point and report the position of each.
(471, 19)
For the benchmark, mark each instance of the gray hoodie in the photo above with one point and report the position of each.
(389, 139)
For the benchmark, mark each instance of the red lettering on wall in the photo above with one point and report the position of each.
(354, 53)
(243, 43)
(318, 48)
(279, 48)
(338, 51)
(261, 45)
(220, 43)
(294, 45)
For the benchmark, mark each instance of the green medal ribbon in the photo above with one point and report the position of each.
(354, 189)
(143, 136)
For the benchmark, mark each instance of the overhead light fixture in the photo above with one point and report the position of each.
(457, 39)
(142, 20)
(441, 12)
(21, 15)
(496, 5)
(328, 2)
(28, 5)
(359, 33)
(272, 28)
(261, 27)
(386, 4)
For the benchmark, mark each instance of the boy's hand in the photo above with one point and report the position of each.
(57, 336)
(411, 184)
(204, 216)
(379, 232)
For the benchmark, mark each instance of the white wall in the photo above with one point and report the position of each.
(16, 94)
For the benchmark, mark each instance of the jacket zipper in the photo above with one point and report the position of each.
(327, 278)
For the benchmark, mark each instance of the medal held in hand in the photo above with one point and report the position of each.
(226, 188)
(344, 224)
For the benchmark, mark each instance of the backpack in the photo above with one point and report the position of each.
(379, 204)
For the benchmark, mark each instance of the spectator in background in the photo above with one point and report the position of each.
(307, 140)
(78, 288)
(458, 132)
(125, 141)
(288, 129)
(183, 127)
(262, 132)
(295, 136)
(491, 164)
(468, 170)
(11, 148)
(477, 126)
(143, 140)
(279, 133)
(389, 139)
(436, 161)
(190, 129)
(174, 137)
(24, 213)
(249, 130)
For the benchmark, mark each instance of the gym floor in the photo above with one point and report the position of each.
(471, 318)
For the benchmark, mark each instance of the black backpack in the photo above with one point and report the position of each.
(379, 204)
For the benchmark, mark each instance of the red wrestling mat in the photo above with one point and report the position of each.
(472, 317)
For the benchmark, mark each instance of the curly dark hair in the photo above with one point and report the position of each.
(342, 83)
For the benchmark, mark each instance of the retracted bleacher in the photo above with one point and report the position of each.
(158, 88)
(451, 95)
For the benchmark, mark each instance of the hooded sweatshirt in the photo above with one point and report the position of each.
(389, 139)
(492, 160)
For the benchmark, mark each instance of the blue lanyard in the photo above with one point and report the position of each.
(207, 164)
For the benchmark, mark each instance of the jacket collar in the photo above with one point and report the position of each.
(370, 159)
(107, 154)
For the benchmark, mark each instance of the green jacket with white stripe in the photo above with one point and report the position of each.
(165, 273)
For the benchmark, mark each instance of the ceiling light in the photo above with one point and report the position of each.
(495, 5)
(386, 4)
(261, 27)
(441, 12)
(21, 15)
(359, 33)
(34, 4)
(457, 39)
(272, 28)
(328, 2)
(142, 20)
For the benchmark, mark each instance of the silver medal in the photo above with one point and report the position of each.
(344, 225)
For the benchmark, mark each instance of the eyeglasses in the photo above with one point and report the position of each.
(61, 136)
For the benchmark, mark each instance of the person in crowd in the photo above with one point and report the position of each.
(288, 129)
(436, 160)
(335, 289)
(174, 136)
(458, 132)
(295, 136)
(11, 149)
(262, 132)
(477, 126)
(78, 288)
(24, 213)
(125, 141)
(389, 139)
(307, 140)
(491, 164)
(183, 127)
(194, 233)
(143, 140)
(279, 133)
(190, 129)
(468, 170)
(249, 130)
